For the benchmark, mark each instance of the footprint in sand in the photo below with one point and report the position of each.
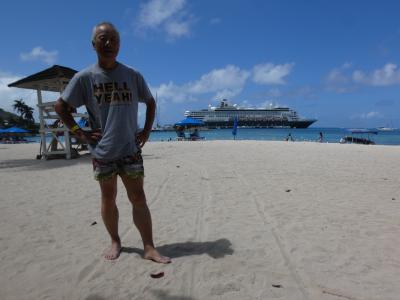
(86, 271)
(221, 289)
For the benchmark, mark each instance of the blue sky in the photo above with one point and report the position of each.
(337, 61)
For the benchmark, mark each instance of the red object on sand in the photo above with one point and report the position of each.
(157, 275)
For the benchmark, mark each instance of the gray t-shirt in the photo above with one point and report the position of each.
(111, 98)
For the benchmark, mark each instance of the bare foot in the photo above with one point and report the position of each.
(113, 252)
(152, 254)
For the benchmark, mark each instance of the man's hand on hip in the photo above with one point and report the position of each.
(88, 137)
(142, 137)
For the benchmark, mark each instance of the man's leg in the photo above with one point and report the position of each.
(142, 217)
(109, 213)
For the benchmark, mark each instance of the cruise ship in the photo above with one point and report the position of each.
(272, 117)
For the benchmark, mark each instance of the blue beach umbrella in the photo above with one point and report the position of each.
(15, 130)
(189, 122)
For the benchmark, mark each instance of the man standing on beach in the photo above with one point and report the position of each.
(111, 92)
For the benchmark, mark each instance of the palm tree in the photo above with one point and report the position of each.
(28, 114)
(24, 110)
(19, 106)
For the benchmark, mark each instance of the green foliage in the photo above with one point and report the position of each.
(8, 117)
(24, 110)
(24, 118)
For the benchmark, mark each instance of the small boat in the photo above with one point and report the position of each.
(356, 140)
(359, 136)
(386, 129)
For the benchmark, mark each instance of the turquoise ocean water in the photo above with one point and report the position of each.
(331, 135)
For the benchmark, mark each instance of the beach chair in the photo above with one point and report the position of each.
(180, 135)
(79, 146)
(195, 135)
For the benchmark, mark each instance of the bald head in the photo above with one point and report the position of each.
(105, 41)
(102, 25)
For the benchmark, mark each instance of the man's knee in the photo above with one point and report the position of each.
(108, 203)
(109, 197)
(109, 190)
(137, 197)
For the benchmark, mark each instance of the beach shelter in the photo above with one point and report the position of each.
(189, 123)
(14, 133)
(53, 79)
(15, 130)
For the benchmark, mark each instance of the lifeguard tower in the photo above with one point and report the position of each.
(53, 79)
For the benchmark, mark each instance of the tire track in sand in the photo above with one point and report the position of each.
(161, 189)
(156, 198)
(201, 227)
(284, 253)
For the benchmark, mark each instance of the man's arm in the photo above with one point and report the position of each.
(63, 110)
(143, 136)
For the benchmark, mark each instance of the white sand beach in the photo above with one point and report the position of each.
(240, 219)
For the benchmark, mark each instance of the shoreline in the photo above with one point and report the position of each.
(330, 135)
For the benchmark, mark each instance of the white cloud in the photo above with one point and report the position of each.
(229, 78)
(226, 82)
(338, 75)
(358, 76)
(389, 74)
(8, 95)
(368, 115)
(177, 29)
(171, 92)
(223, 83)
(271, 74)
(371, 115)
(39, 54)
(166, 15)
(343, 79)
(227, 93)
(155, 12)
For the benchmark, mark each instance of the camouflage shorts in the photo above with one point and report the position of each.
(131, 165)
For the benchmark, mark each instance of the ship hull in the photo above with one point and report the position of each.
(261, 124)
